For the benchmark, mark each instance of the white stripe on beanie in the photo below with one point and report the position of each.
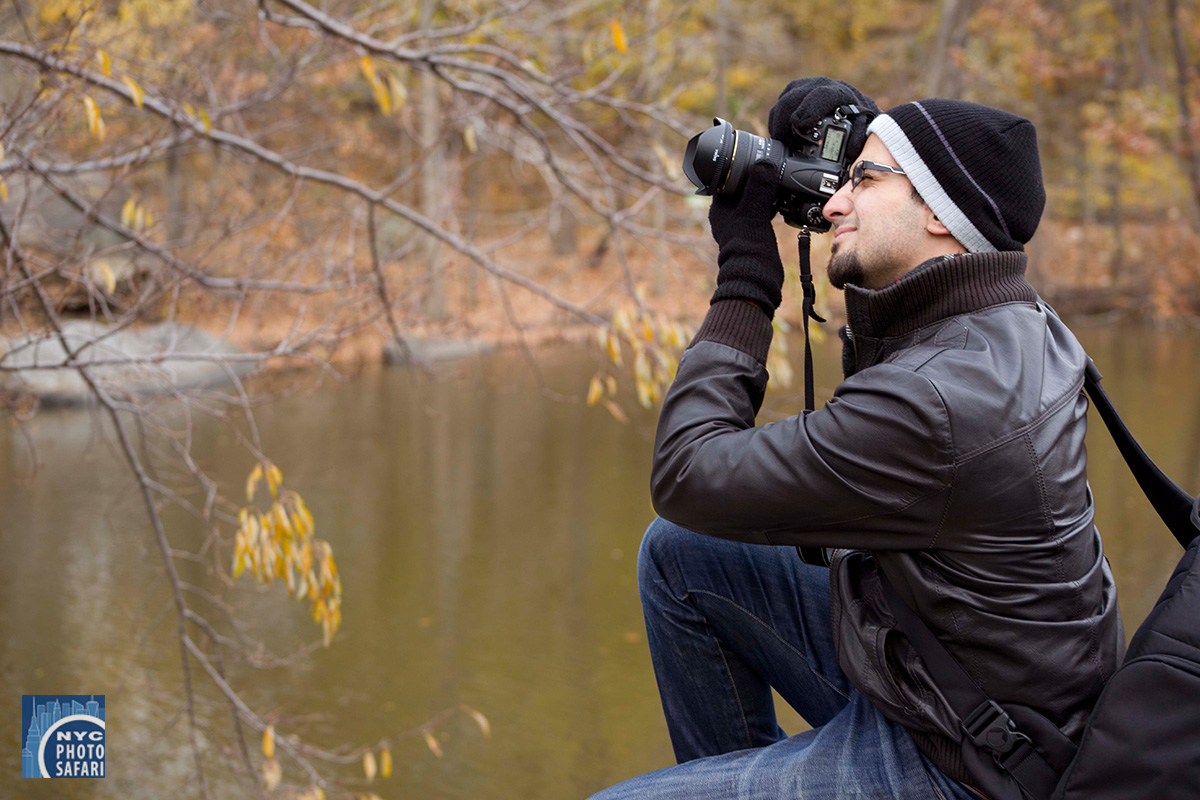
(923, 180)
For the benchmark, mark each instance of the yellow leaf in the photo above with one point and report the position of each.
(595, 390)
(274, 479)
(369, 766)
(611, 385)
(139, 218)
(110, 282)
(620, 321)
(368, 70)
(139, 96)
(614, 350)
(382, 97)
(618, 37)
(93, 117)
(268, 745)
(127, 212)
(3, 191)
(643, 392)
(469, 139)
(398, 92)
(204, 119)
(252, 482)
(105, 64)
(434, 747)
(272, 774)
(616, 411)
(484, 726)
(385, 762)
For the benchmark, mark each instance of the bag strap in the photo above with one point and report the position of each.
(984, 722)
(1178, 509)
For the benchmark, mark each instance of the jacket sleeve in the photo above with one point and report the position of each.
(872, 469)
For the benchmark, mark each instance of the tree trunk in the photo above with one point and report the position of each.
(174, 196)
(1186, 139)
(433, 175)
(723, 44)
(946, 77)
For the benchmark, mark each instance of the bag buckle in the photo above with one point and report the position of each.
(990, 727)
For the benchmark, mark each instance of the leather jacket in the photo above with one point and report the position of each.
(951, 458)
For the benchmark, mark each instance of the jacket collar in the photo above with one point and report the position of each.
(938, 289)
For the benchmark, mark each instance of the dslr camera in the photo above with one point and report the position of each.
(718, 161)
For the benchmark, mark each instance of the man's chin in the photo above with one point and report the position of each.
(844, 268)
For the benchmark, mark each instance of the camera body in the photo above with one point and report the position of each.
(718, 161)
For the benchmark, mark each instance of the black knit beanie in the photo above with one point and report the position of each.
(976, 167)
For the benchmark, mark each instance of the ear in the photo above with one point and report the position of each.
(934, 225)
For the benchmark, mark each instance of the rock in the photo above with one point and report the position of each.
(126, 375)
(425, 351)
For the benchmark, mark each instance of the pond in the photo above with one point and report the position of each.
(486, 524)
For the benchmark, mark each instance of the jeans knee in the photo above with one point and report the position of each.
(658, 559)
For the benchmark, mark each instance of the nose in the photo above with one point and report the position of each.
(839, 205)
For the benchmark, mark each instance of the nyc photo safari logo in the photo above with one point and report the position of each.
(63, 736)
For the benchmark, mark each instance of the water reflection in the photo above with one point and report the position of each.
(487, 535)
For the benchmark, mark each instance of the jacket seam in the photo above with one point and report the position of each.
(1017, 433)
(888, 513)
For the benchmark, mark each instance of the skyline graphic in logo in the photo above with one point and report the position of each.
(62, 736)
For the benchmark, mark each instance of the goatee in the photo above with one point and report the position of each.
(845, 268)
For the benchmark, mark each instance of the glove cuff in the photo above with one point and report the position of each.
(739, 324)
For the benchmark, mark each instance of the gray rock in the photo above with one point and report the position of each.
(426, 351)
(125, 362)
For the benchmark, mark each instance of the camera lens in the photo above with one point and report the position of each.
(707, 158)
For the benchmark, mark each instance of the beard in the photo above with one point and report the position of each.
(845, 268)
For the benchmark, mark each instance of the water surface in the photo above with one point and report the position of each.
(486, 529)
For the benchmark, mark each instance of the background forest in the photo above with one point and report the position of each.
(320, 186)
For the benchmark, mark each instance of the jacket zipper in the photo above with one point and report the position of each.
(853, 346)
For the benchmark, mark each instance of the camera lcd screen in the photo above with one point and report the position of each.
(833, 144)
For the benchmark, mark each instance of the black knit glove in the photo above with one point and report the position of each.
(748, 258)
(807, 101)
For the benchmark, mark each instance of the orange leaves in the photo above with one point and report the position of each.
(657, 343)
(268, 743)
(389, 91)
(485, 727)
(279, 543)
(618, 36)
(135, 91)
(95, 123)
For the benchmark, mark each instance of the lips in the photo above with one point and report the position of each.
(842, 231)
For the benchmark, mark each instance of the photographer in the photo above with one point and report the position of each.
(951, 459)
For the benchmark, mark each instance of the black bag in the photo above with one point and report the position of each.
(1142, 739)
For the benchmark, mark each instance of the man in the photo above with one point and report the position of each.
(951, 459)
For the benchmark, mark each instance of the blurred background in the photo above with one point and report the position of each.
(373, 304)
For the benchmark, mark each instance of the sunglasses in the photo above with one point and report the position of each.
(858, 172)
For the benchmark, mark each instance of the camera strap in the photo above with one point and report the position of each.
(804, 244)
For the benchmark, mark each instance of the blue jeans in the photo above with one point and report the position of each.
(726, 622)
